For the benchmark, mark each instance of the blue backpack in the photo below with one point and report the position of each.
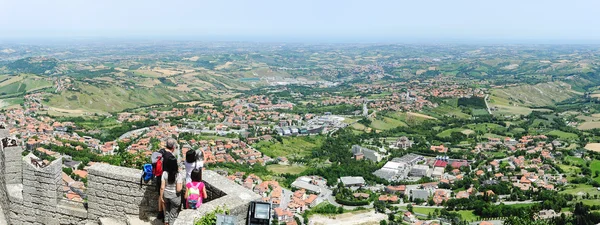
(147, 174)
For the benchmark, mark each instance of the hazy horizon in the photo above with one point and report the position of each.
(508, 21)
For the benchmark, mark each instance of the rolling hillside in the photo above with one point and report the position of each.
(526, 96)
(113, 98)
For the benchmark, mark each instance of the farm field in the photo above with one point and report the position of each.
(386, 124)
(543, 94)
(595, 147)
(577, 189)
(283, 169)
(290, 147)
(595, 167)
(563, 135)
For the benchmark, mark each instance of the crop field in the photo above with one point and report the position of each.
(543, 94)
(479, 112)
(593, 147)
(563, 135)
(445, 110)
(387, 123)
(283, 169)
(579, 189)
(290, 147)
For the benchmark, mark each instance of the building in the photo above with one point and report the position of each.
(409, 217)
(420, 194)
(547, 214)
(367, 153)
(437, 172)
(420, 171)
(396, 189)
(403, 143)
(440, 149)
(353, 181)
(410, 159)
(392, 171)
(305, 183)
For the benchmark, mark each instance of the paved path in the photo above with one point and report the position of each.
(487, 105)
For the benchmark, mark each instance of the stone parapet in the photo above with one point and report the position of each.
(116, 192)
(32, 195)
(13, 164)
(231, 196)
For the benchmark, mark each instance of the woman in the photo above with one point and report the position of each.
(193, 160)
(172, 183)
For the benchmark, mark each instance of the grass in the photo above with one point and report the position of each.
(387, 123)
(584, 188)
(542, 94)
(447, 133)
(504, 107)
(574, 160)
(479, 112)
(467, 215)
(595, 166)
(569, 169)
(113, 98)
(486, 127)
(446, 110)
(590, 202)
(291, 146)
(10, 102)
(563, 135)
(283, 169)
(23, 83)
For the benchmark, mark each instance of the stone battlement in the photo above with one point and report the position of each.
(30, 194)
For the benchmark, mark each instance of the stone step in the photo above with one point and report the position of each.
(134, 220)
(2, 219)
(111, 221)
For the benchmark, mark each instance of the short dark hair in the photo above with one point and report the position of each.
(196, 175)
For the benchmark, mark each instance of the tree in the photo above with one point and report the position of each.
(383, 222)
(67, 170)
(409, 207)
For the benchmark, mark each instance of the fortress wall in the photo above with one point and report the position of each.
(116, 192)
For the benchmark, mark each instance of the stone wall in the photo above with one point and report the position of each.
(4, 201)
(31, 195)
(116, 192)
(13, 165)
(231, 196)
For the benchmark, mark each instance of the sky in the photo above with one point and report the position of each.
(297, 20)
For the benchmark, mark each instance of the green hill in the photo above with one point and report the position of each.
(539, 95)
(35, 65)
(114, 98)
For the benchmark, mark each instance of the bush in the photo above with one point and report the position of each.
(211, 217)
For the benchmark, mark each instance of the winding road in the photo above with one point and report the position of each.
(487, 105)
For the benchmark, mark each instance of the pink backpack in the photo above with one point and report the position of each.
(194, 194)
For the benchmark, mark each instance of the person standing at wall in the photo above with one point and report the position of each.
(170, 191)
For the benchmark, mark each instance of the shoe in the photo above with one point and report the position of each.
(160, 216)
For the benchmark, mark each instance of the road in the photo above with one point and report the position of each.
(517, 202)
(487, 105)
(130, 133)
(199, 131)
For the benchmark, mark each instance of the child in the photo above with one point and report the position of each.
(196, 191)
